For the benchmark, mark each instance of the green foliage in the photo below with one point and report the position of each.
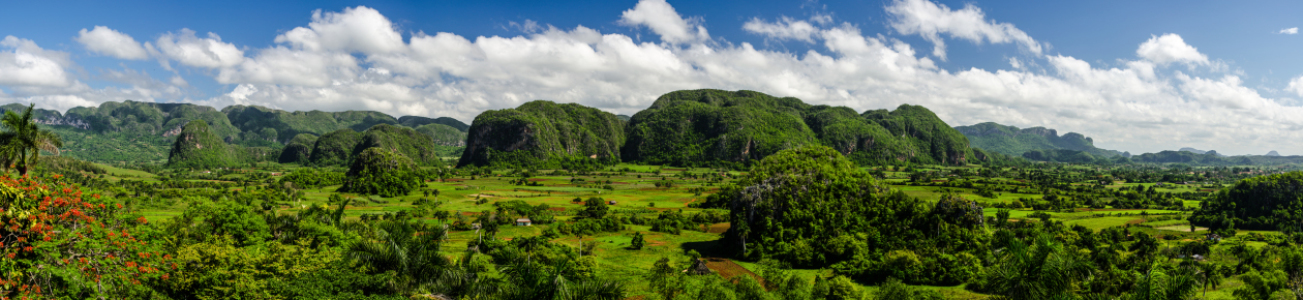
(595, 208)
(710, 127)
(410, 143)
(382, 172)
(444, 135)
(544, 134)
(416, 122)
(1264, 202)
(68, 165)
(638, 241)
(150, 118)
(689, 127)
(198, 147)
(334, 148)
(288, 125)
(22, 141)
(313, 177)
(1010, 140)
(931, 140)
(298, 150)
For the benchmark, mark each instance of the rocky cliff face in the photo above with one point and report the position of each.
(544, 134)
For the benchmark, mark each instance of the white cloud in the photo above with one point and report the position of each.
(930, 20)
(106, 41)
(784, 29)
(1296, 86)
(664, 21)
(1170, 48)
(1291, 30)
(190, 50)
(360, 29)
(1134, 106)
(29, 65)
(281, 65)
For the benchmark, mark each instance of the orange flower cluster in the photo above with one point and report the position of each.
(46, 222)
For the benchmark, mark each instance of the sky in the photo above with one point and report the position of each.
(1137, 76)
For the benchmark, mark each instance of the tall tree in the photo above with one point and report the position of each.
(22, 141)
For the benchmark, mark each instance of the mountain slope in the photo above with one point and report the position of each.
(544, 134)
(198, 147)
(704, 127)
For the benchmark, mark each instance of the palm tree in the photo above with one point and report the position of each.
(22, 142)
(1158, 285)
(406, 250)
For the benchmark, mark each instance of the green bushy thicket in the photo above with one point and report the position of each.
(382, 172)
(811, 207)
(313, 177)
(1272, 202)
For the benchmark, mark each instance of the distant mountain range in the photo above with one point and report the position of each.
(143, 132)
(1013, 141)
(1197, 151)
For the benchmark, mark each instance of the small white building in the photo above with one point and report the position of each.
(524, 222)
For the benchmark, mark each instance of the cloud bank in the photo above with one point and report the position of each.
(358, 59)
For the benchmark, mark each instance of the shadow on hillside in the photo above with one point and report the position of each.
(715, 248)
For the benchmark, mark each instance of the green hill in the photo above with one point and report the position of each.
(198, 147)
(415, 121)
(150, 118)
(288, 124)
(298, 150)
(444, 135)
(334, 148)
(544, 134)
(414, 145)
(1013, 141)
(713, 126)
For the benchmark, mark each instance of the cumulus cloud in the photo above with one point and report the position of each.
(784, 29)
(1133, 106)
(1170, 48)
(190, 50)
(26, 64)
(662, 19)
(931, 20)
(1291, 30)
(361, 29)
(1296, 86)
(106, 41)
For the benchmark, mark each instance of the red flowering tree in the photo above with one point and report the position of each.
(58, 242)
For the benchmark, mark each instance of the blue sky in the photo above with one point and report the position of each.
(1139, 77)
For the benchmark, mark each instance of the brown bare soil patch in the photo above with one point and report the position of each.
(556, 208)
(1136, 221)
(728, 269)
(453, 180)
